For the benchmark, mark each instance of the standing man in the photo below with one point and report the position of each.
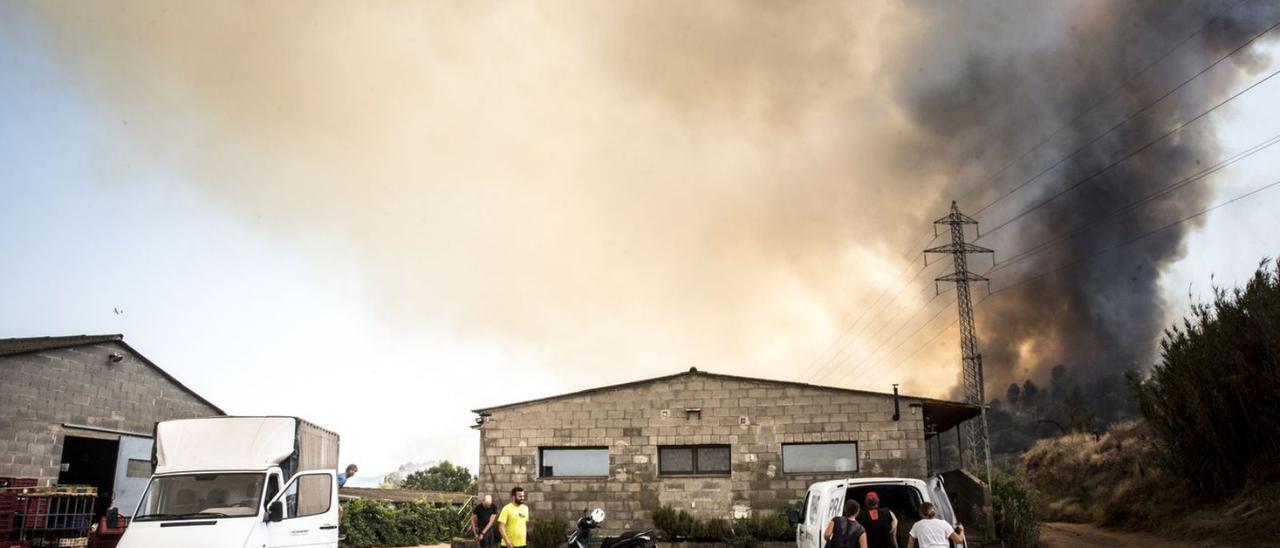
(482, 521)
(513, 519)
(343, 477)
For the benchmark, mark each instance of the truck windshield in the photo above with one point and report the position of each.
(189, 496)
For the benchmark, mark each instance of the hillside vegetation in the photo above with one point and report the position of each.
(1203, 462)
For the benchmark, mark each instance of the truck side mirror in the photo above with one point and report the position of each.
(793, 517)
(113, 518)
(275, 512)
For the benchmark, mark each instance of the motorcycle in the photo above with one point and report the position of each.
(581, 535)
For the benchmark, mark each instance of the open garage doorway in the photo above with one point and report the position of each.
(89, 461)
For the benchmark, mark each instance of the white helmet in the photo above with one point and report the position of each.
(597, 515)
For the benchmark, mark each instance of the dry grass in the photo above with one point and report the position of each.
(1116, 481)
(1109, 481)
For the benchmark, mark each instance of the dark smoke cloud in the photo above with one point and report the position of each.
(1104, 315)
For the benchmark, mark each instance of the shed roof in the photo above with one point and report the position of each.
(26, 345)
(9, 347)
(944, 414)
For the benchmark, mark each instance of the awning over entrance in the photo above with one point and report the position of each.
(941, 416)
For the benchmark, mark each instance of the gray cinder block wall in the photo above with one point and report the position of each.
(753, 417)
(80, 385)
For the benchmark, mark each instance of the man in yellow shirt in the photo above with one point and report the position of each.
(513, 519)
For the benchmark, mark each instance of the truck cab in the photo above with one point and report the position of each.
(825, 500)
(227, 482)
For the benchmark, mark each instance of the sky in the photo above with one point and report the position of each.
(379, 216)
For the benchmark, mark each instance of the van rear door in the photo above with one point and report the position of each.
(938, 492)
(809, 533)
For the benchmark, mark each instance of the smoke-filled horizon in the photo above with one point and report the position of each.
(627, 188)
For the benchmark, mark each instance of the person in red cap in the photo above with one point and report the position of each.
(880, 523)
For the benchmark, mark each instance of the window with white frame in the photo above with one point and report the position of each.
(804, 458)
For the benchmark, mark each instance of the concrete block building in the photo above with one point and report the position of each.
(82, 410)
(714, 445)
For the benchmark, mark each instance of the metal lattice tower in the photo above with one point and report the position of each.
(971, 360)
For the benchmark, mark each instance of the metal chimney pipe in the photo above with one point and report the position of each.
(896, 413)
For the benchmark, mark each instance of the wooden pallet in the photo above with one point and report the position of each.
(55, 490)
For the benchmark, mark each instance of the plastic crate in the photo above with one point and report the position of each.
(35, 513)
(18, 482)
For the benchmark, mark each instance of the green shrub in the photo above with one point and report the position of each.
(1210, 400)
(1013, 501)
(672, 524)
(368, 523)
(717, 529)
(548, 532)
(765, 526)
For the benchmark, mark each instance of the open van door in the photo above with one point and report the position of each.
(305, 512)
(824, 502)
(938, 493)
(808, 533)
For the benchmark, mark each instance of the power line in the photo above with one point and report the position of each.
(881, 342)
(835, 359)
(1095, 104)
(1131, 240)
(914, 257)
(849, 329)
(893, 350)
(868, 358)
(1094, 223)
(1134, 114)
(917, 350)
(1131, 154)
(928, 341)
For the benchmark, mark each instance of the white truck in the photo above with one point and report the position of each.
(825, 501)
(251, 482)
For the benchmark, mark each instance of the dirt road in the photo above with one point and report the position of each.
(1062, 535)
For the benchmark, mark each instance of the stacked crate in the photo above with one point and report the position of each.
(9, 500)
(51, 516)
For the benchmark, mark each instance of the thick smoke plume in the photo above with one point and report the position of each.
(630, 188)
(1102, 315)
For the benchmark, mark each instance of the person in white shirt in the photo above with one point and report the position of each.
(931, 532)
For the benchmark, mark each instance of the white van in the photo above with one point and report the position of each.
(232, 482)
(825, 501)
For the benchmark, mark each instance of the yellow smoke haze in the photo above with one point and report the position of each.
(620, 188)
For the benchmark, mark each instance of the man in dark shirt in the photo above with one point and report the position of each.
(880, 523)
(483, 523)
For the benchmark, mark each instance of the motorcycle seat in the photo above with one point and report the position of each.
(627, 535)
